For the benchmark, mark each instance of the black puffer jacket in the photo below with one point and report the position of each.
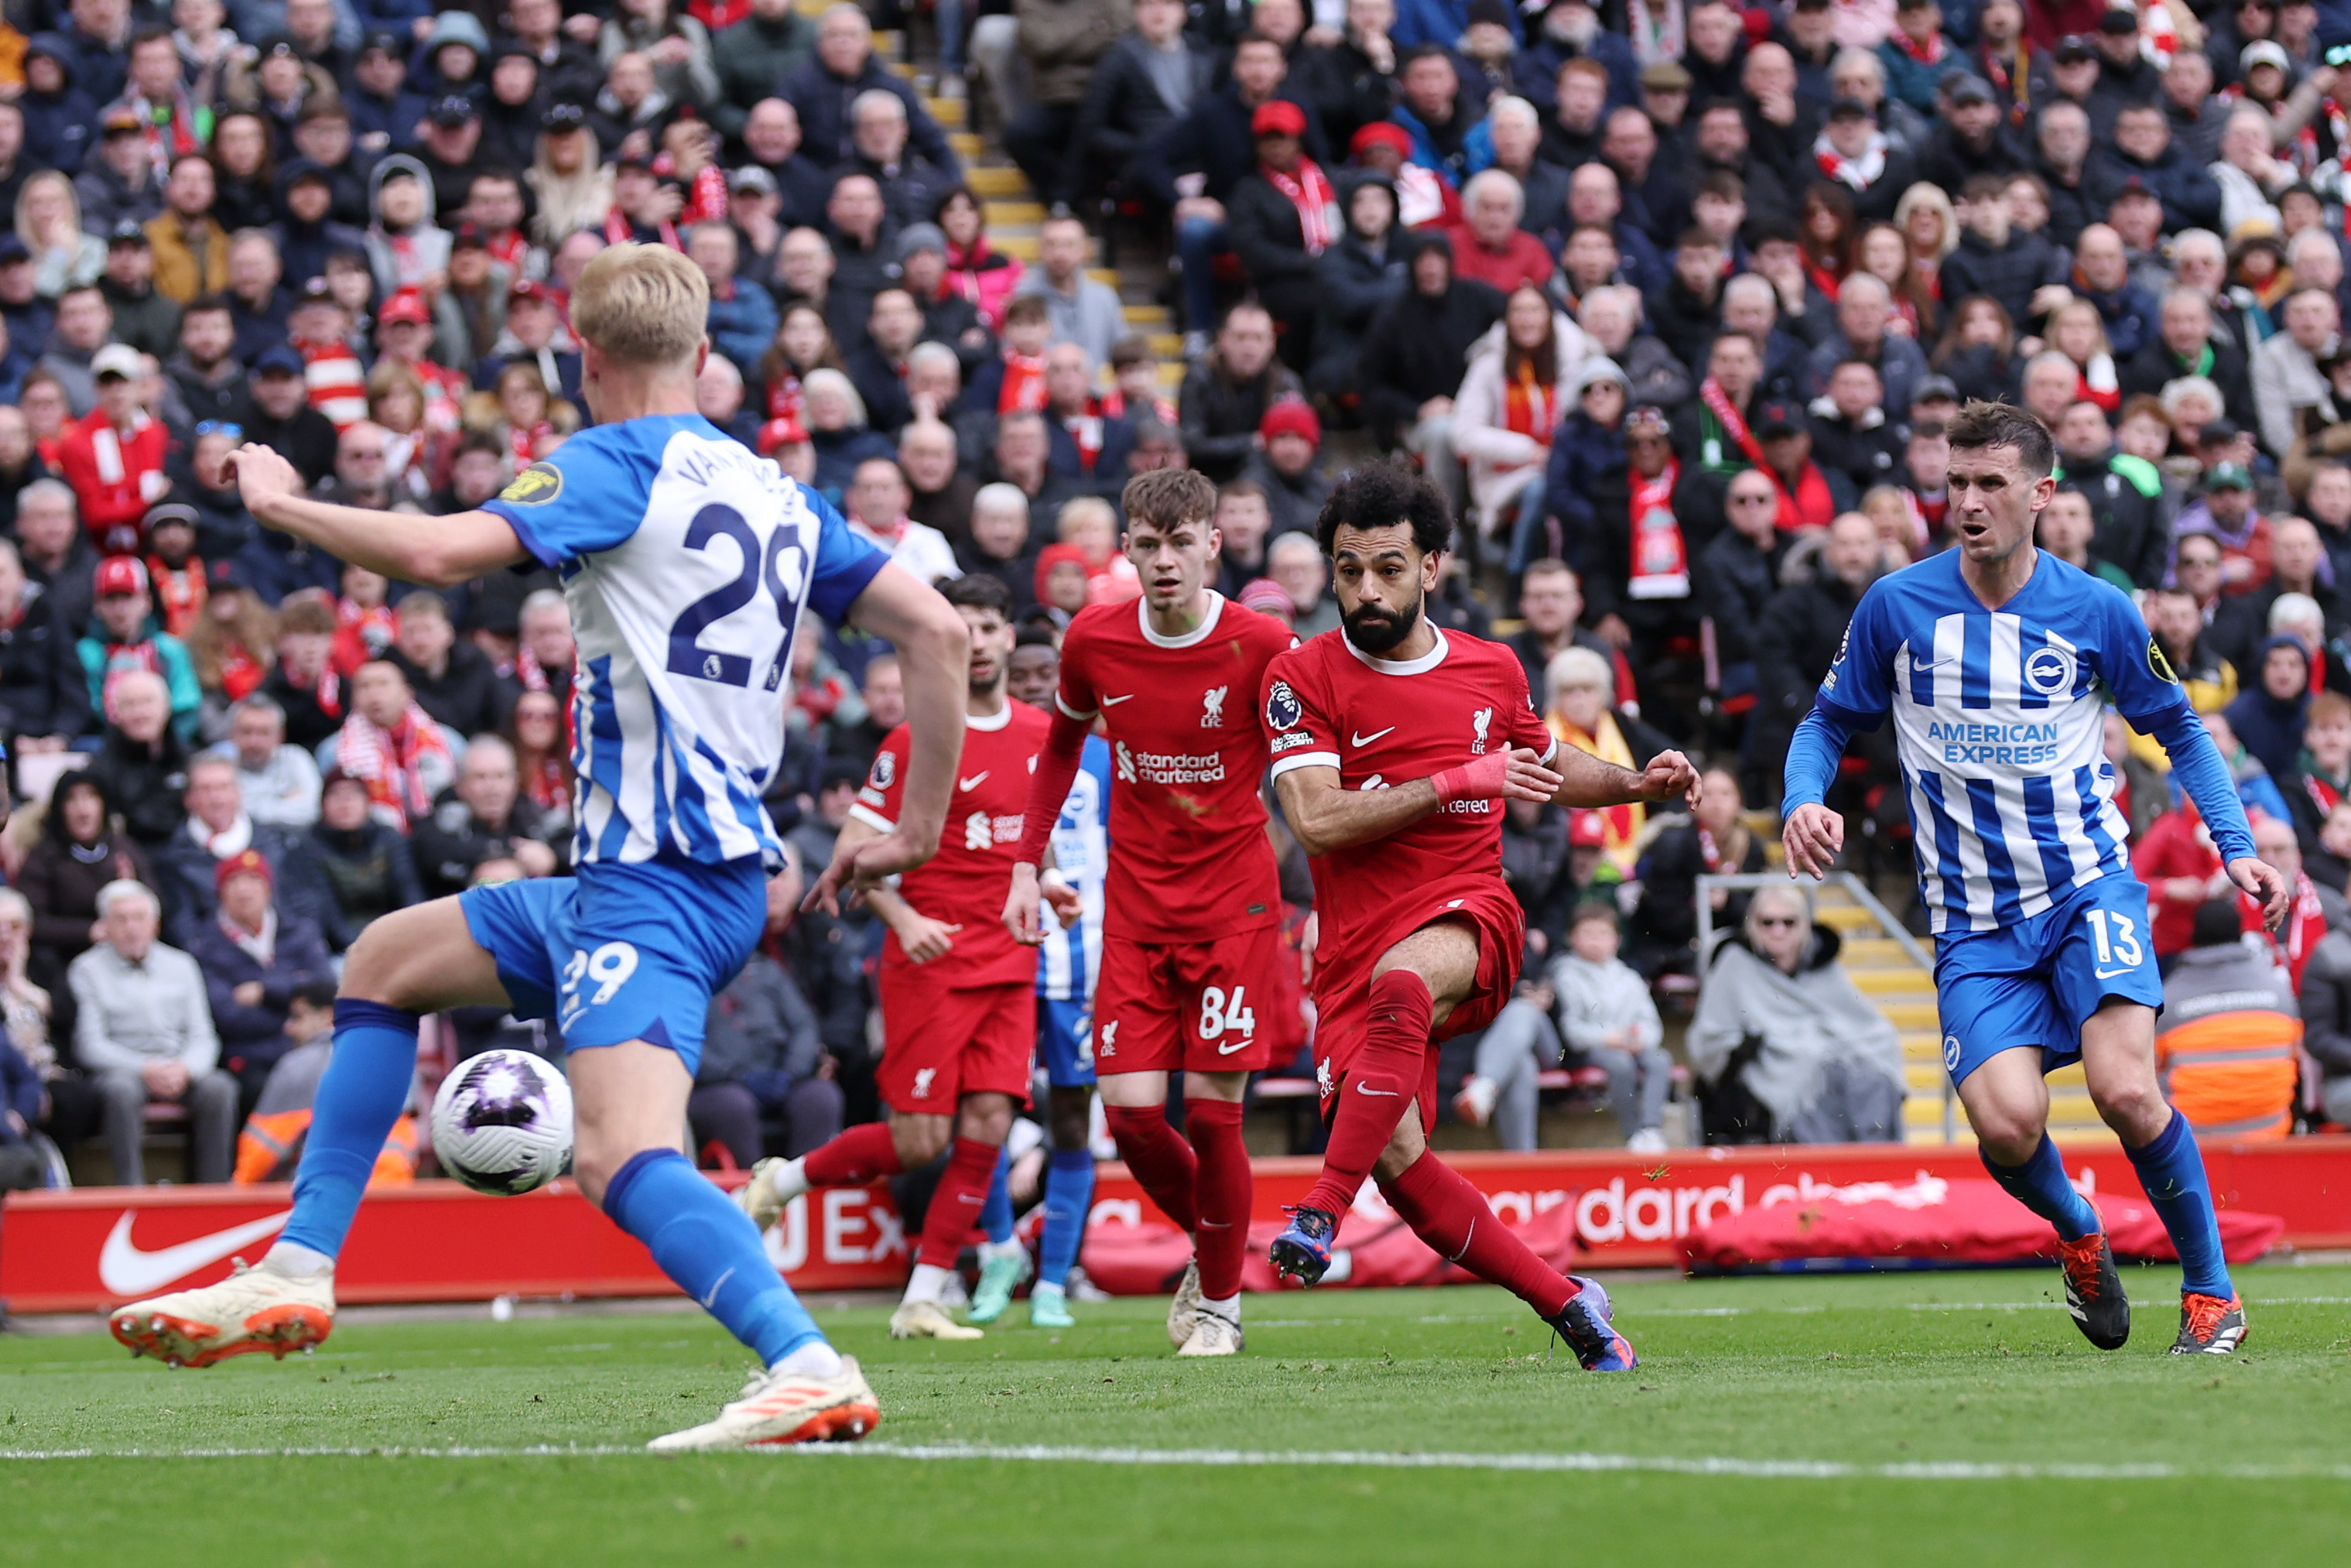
(1417, 348)
(1796, 641)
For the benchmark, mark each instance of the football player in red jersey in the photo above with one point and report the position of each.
(959, 994)
(1192, 921)
(1394, 745)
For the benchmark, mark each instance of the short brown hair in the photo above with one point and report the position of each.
(1979, 425)
(1027, 308)
(308, 611)
(641, 305)
(1168, 498)
(2327, 707)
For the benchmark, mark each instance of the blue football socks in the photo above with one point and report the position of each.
(358, 1099)
(996, 1212)
(1069, 1198)
(2040, 1186)
(711, 1249)
(2171, 1168)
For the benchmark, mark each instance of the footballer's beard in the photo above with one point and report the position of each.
(1376, 630)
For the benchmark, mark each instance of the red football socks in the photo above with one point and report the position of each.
(956, 1202)
(1453, 1217)
(1383, 1079)
(862, 1153)
(1223, 1189)
(1158, 1157)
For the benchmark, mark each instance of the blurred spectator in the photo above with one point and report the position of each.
(2297, 565)
(219, 829)
(1738, 574)
(1713, 841)
(1789, 1049)
(303, 682)
(141, 317)
(113, 457)
(826, 86)
(1414, 354)
(1226, 394)
(142, 1026)
(1285, 469)
(1521, 378)
(2231, 1024)
(2269, 714)
(254, 954)
(142, 763)
(392, 745)
(124, 641)
(47, 1094)
(80, 850)
(2285, 366)
(763, 1056)
(1060, 42)
(1581, 709)
(277, 783)
(1296, 563)
(875, 505)
(280, 416)
(452, 679)
(482, 817)
(751, 56)
(361, 862)
(1139, 88)
(44, 691)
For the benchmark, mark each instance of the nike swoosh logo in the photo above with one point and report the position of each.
(127, 1270)
(1383, 1093)
(716, 1285)
(2110, 974)
(1366, 740)
(1228, 1049)
(973, 782)
(1113, 702)
(1922, 666)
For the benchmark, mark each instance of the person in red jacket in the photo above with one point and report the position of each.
(2181, 869)
(1488, 244)
(113, 455)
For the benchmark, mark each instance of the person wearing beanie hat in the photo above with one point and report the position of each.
(1279, 219)
(1286, 467)
(1265, 597)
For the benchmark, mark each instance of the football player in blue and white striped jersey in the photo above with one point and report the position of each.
(686, 562)
(1997, 662)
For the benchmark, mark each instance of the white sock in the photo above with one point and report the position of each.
(1042, 1289)
(991, 1250)
(1225, 1307)
(304, 1263)
(814, 1359)
(928, 1284)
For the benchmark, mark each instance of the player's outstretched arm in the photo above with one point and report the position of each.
(1586, 780)
(437, 552)
(933, 658)
(1323, 816)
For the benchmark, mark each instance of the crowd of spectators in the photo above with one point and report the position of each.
(1672, 297)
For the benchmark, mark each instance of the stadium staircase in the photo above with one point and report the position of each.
(1013, 211)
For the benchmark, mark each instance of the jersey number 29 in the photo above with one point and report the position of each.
(783, 564)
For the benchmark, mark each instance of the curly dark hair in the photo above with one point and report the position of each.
(1379, 495)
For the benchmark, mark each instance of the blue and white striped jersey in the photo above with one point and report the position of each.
(2000, 725)
(1069, 961)
(686, 559)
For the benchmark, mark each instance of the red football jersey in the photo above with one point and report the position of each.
(1328, 705)
(967, 883)
(1189, 861)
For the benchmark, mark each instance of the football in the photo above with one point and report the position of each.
(502, 1122)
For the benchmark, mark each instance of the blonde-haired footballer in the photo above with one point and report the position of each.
(687, 561)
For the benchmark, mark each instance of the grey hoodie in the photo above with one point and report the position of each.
(1596, 1001)
(401, 261)
(1806, 1019)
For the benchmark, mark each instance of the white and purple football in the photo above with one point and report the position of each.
(502, 1122)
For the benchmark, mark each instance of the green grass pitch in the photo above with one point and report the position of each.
(1910, 1420)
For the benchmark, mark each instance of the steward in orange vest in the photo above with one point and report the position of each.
(2227, 1052)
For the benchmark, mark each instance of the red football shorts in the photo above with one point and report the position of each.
(1344, 1011)
(1201, 1006)
(938, 1045)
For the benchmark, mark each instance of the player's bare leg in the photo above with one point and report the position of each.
(409, 962)
(2118, 1060)
(1203, 1183)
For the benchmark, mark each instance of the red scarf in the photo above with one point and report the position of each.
(1929, 53)
(240, 672)
(1311, 194)
(1660, 555)
(2305, 923)
(548, 784)
(1529, 407)
(1810, 506)
(524, 442)
(1085, 428)
(784, 396)
(705, 197)
(1024, 385)
(621, 229)
(179, 595)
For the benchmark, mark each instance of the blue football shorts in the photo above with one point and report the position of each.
(2034, 983)
(1065, 1041)
(622, 952)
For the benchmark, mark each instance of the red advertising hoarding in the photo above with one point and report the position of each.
(92, 1248)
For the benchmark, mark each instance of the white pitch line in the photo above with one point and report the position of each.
(1250, 1459)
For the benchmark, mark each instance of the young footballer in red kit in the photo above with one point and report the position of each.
(1394, 745)
(959, 994)
(1191, 929)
